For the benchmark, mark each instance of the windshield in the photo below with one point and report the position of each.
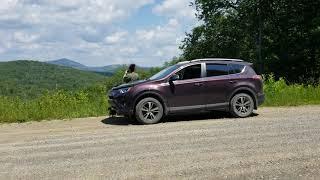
(165, 72)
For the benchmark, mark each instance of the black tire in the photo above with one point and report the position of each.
(241, 105)
(149, 111)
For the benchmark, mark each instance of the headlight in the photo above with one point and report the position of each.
(124, 90)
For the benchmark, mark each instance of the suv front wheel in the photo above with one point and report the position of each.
(149, 111)
(242, 105)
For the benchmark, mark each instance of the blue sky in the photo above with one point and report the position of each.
(94, 32)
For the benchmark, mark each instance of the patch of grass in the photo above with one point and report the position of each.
(56, 105)
(279, 93)
(63, 104)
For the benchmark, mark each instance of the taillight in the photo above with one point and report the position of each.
(258, 77)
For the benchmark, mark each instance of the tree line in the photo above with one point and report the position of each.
(281, 37)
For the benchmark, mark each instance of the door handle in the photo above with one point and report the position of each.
(232, 82)
(198, 84)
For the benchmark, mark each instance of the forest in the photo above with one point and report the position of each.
(281, 37)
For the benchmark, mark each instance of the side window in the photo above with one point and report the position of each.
(217, 70)
(235, 68)
(190, 72)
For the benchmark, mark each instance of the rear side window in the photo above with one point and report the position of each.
(217, 70)
(235, 68)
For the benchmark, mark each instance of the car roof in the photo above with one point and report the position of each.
(216, 60)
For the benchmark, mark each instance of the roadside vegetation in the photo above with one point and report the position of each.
(55, 105)
(281, 38)
(62, 104)
(29, 79)
(278, 37)
(279, 93)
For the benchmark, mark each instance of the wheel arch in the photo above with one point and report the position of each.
(247, 90)
(152, 94)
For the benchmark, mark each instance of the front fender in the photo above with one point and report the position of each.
(151, 93)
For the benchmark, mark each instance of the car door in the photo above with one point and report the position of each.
(216, 85)
(187, 91)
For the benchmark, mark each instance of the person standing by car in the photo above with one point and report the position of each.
(130, 74)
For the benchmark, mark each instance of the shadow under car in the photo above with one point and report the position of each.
(124, 121)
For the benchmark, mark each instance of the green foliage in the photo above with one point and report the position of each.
(279, 93)
(55, 105)
(92, 101)
(60, 104)
(117, 78)
(173, 61)
(279, 36)
(29, 79)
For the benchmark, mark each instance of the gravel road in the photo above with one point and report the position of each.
(275, 143)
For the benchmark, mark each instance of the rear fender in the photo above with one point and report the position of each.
(248, 90)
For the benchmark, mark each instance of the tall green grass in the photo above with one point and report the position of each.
(279, 93)
(62, 104)
(93, 101)
(55, 105)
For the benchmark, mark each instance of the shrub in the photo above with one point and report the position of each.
(56, 105)
(92, 101)
(279, 93)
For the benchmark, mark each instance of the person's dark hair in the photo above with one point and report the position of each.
(132, 67)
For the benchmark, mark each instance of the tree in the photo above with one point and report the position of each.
(278, 36)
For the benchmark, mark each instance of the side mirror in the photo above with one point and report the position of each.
(174, 77)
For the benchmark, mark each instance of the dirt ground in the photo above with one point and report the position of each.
(275, 143)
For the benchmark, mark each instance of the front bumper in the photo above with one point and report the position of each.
(120, 104)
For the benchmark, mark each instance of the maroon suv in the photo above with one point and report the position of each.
(190, 87)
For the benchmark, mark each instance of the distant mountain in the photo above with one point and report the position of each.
(67, 63)
(110, 68)
(105, 70)
(28, 79)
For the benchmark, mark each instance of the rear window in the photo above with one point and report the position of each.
(217, 70)
(235, 68)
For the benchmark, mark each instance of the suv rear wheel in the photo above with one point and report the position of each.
(242, 105)
(149, 111)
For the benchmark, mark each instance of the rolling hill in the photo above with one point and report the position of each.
(68, 63)
(28, 79)
(104, 70)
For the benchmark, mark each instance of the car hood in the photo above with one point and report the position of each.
(131, 84)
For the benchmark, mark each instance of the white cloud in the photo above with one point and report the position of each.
(91, 32)
(2, 50)
(116, 37)
(173, 22)
(7, 5)
(175, 8)
(159, 43)
(68, 11)
(160, 34)
(129, 50)
(24, 37)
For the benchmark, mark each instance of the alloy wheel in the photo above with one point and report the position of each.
(150, 111)
(242, 105)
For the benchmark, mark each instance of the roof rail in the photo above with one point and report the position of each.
(183, 62)
(216, 59)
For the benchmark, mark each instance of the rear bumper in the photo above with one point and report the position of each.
(260, 99)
